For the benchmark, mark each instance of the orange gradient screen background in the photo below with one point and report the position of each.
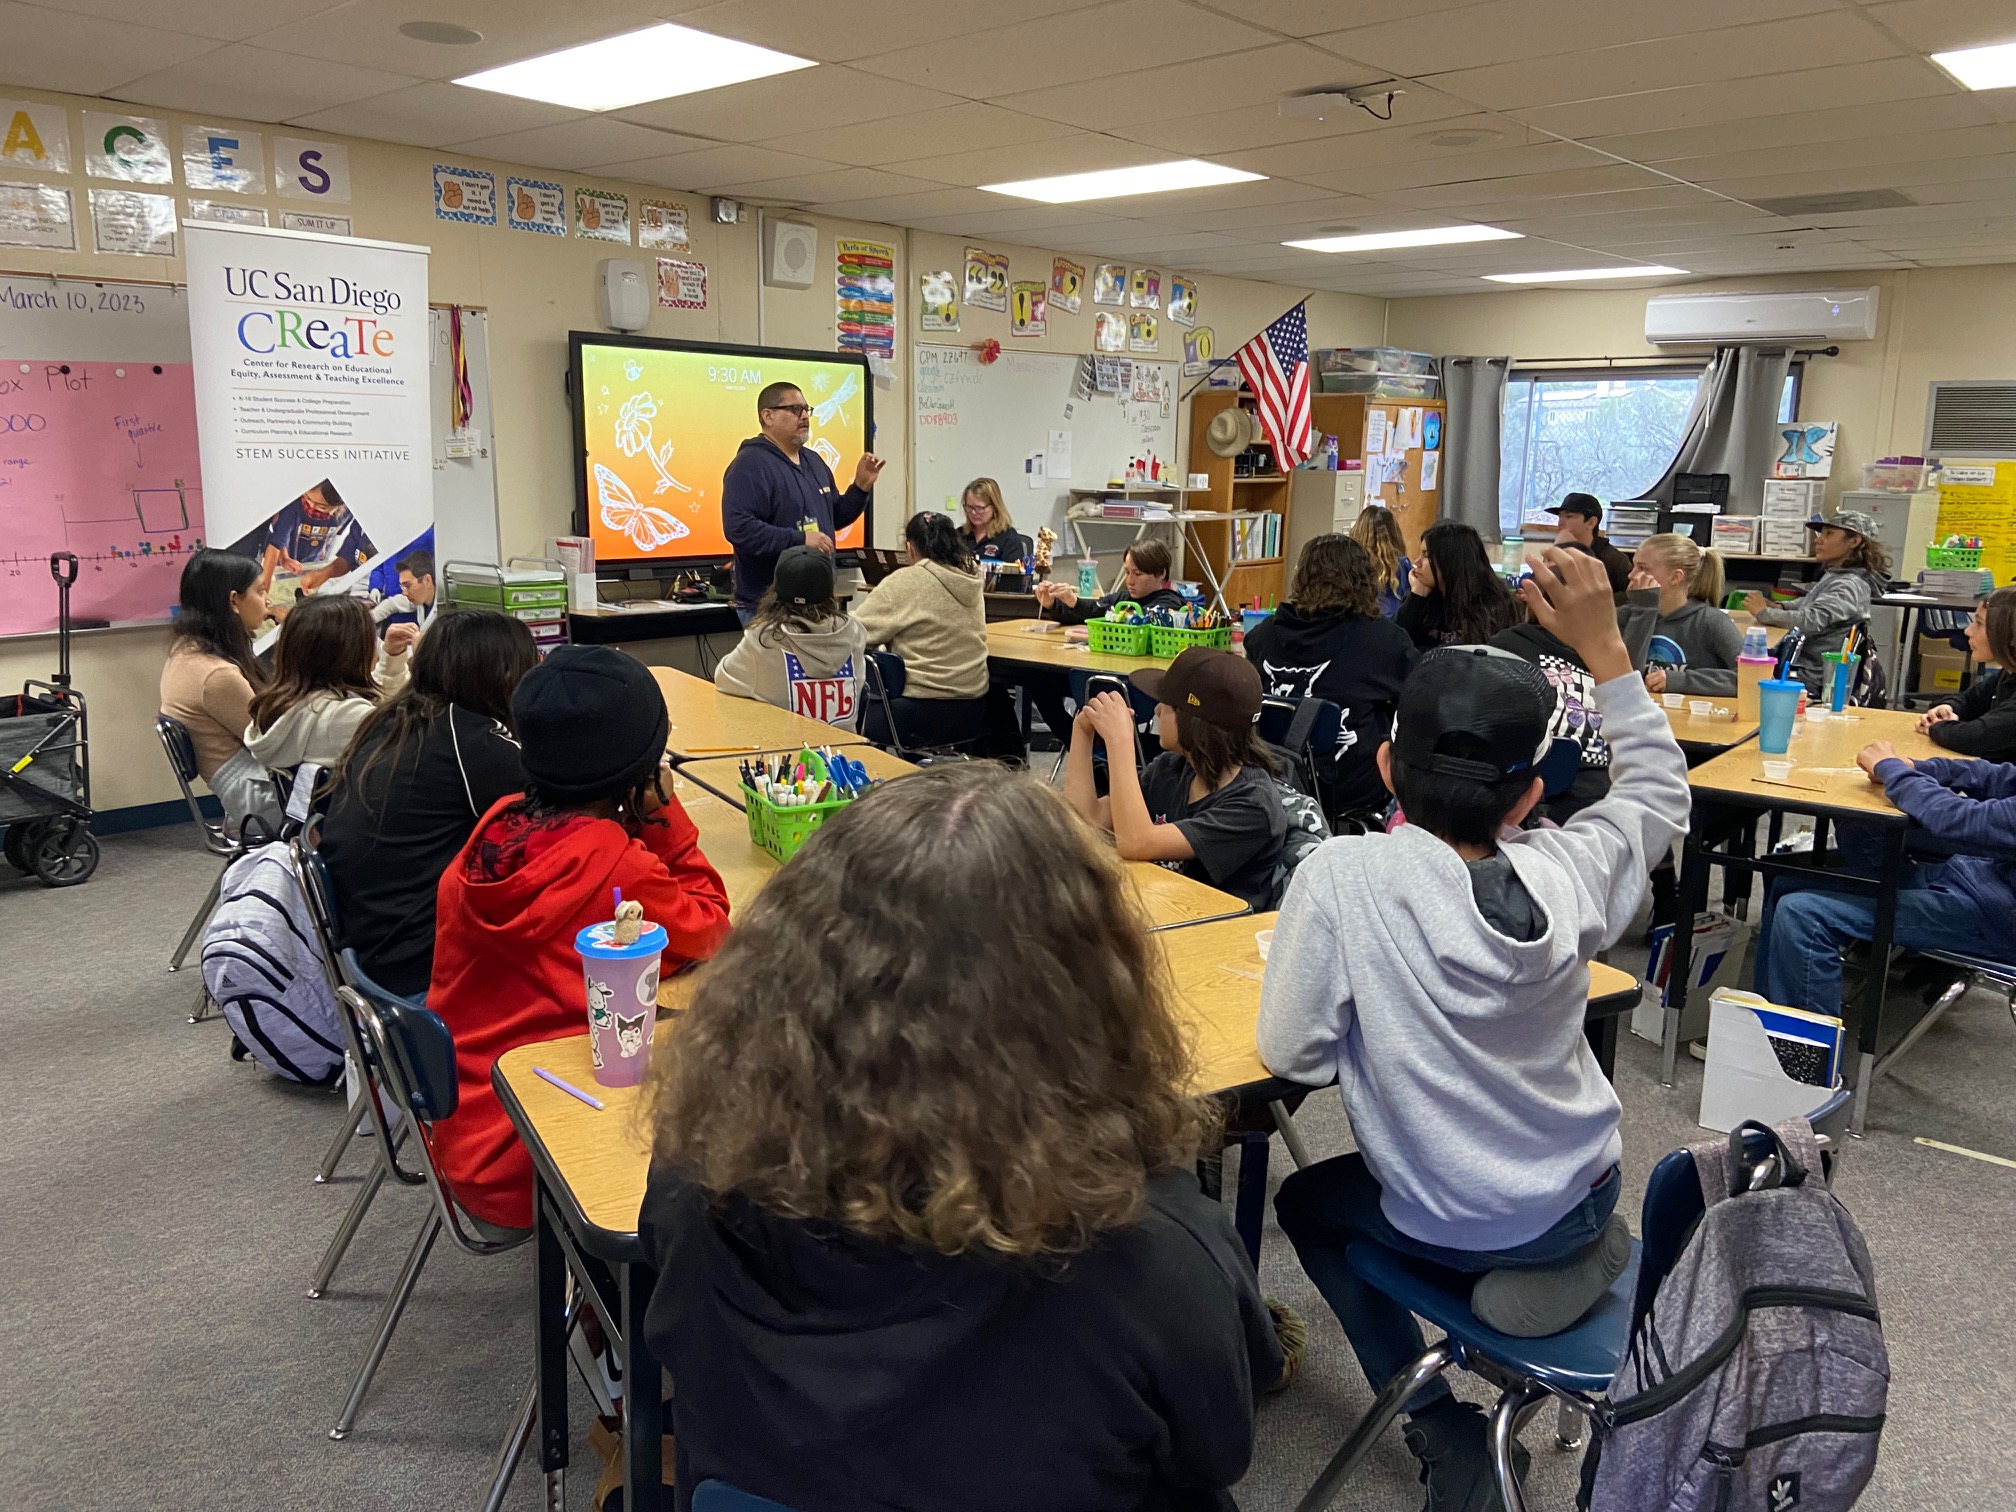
(661, 427)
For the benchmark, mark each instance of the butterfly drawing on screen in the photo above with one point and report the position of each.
(648, 528)
(827, 410)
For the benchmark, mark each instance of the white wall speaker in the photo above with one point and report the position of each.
(790, 248)
(626, 294)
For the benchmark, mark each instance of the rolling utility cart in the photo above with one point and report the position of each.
(45, 766)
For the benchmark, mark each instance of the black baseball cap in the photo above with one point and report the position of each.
(1216, 686)
(1476, 712)
(1579, 504)
(804, 576)
(591, 722)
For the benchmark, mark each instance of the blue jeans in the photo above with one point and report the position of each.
(1324, 1207)
(1805, 928)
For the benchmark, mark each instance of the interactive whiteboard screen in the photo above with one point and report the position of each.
(658, 422)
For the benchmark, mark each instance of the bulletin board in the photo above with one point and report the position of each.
(984, 420)
(1979, 499)
(1403, 463)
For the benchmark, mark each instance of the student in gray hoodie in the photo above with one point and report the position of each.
(801, 652)
(1674, 605)
(1440, 974)
(1857, 570)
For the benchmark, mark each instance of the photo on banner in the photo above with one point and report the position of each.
(37, 136)
(311, 363)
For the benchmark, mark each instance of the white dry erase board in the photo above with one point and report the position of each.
(985, 420)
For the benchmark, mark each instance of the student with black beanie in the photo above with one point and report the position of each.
(597, 814)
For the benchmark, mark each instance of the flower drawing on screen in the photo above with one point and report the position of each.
(633, 434)
(833, 408)
(647, 528)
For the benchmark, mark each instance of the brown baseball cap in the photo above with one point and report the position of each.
(1216, 686)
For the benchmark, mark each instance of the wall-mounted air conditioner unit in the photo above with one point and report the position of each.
(1809, 315)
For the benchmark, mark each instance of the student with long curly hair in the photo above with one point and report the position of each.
(1379, 533)
(921, 1204)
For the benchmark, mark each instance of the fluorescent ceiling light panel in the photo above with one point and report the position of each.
(653, 64)
(1439, 236)
(1115, 183)
(1981, 67)
(1578, 275)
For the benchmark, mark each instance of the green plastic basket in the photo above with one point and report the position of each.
(1952, 556)
(1118, 640)
(781, 831)
(1173, 643)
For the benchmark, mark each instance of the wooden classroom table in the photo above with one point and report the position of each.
(1731, 792)
(722, 775)
(1041, 643)
(1718, 731)
(1744, 620)
(590, 1169)
(707, 722)
(1169, 899)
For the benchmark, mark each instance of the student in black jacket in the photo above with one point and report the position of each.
(419, 774)
(1578, 524)
(1981, 722)
(1330, 641)
(1144, 580)
(920, 1204)
(1454, 595)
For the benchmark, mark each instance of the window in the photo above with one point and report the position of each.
(1611, 432)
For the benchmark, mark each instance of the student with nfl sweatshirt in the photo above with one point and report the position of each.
(1440, 974)
(802, 652)
(542, 866)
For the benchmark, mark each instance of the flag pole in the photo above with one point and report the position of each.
(1218, 362)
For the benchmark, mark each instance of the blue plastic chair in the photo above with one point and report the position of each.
(1575, 1367)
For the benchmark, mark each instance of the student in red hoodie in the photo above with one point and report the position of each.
(540, 867)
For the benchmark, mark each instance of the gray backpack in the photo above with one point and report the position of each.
(1757, 1379)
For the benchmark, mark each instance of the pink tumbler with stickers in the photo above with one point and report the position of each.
(622, 985)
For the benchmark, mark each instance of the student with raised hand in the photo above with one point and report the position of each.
(933, 614)
(925, 1223)
(596, 816)
(1329, 641)
(801, 652)
(1454, 595)
(1440, 974)
(1379, 533)
(210, 678)
(1981, 722)
(1675, 597)
(426, 765)
(1857, 569)
(1207, 806)
(329, 672)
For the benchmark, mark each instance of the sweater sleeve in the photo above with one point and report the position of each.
(490, 759)
(849, 506)
(227, 698)
(1837, 601)
(884, 612)
(1610, 847)
(735, 673)
(1413, 617)
(1965, 803)
(1305, 1011)
(390, 671)
(679, 888)
(1986, 727)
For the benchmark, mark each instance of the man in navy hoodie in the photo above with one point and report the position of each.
(779, 493)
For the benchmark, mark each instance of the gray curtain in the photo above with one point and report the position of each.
(1473, 389)
(1733, 425)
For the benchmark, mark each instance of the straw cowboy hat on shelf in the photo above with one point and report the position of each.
(1231, 431)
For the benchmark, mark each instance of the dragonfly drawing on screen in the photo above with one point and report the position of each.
(648, 528)
(830, 409)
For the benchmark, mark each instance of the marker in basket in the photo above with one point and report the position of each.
(568, 1087)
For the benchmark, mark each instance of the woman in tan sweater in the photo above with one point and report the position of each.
(932, 614)
(209, 679)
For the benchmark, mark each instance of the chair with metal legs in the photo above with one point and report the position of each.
(180, 750)
(1969, 972)
(1573, 1368)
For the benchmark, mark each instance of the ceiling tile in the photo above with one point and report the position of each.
(1218, 132)
(1741, 99)
(904, 209)
(1906, 177)
(1006, 164)
(1670, 63)
(223, 20)
(1504, 31)
(1307, 18)
(1840, 124)
(365, 33)
(1601, 178)
(864, 28)
(730, 168)
(918, 134)
(1861, 152)
(1290, 218)
(762, 108)
(1408, 142)
(587, 141)
(1944, 25)
(835, 184)
(1476, 168)
(1036, 54)
(1680, 200)
(85, 55)
(1259, 77)
(434, 115)
(257, 85)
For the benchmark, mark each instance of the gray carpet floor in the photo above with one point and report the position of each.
(157, 1347)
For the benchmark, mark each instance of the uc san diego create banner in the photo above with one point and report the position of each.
(311, 366)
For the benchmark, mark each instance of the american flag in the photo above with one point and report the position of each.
(1275, 365)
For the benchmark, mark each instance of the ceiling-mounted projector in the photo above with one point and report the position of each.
(1323, 104)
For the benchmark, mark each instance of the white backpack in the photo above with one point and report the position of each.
(263, 965)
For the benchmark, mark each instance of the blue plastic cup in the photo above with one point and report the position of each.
(1777, 706)
(1840, 675)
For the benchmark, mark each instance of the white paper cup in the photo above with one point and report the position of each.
(1701, 708)
(1777, 771)
(1673, 700)
(1817, 711)
(1263, 940)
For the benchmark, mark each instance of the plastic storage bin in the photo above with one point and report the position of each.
(1104, 636)
(1898, 477)
(1794, 498)
(781, 831)
(1953, 556)
(1380, 385)
(1173, 643)
(1374, 359)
